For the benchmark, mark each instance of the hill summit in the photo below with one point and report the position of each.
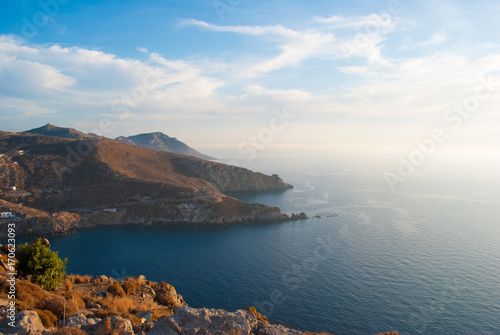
(161, 142)
(51, 130)
(156, 141)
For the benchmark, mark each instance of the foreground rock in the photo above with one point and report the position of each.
(27, 322)
(188, 320)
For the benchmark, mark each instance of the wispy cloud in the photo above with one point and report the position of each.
(435, 39)
(294, 47)
(342, 22)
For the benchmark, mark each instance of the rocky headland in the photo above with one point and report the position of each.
(56, 185)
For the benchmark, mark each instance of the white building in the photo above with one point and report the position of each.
(5, 215)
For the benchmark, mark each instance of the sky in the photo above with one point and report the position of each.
(241, 78)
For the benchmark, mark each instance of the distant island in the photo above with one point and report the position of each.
(57, 180)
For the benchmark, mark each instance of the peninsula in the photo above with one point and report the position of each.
(58, 184)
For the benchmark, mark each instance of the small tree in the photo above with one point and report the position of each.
(44, 265)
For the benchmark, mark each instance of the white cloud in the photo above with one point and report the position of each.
(373, 22)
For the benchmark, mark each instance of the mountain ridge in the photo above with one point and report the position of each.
(155, 140)
(162, 142)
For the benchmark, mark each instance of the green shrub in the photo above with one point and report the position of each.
(44, 265)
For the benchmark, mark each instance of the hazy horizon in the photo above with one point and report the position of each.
(231, 78)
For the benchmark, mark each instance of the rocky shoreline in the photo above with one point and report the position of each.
(33, 222)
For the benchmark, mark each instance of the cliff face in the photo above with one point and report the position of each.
(228, 178)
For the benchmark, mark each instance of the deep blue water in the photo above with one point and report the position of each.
(422, 260)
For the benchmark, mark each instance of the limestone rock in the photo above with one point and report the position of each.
(278, 330)
(27, 322)
(167, 296)
(79, 320)
(149, 290)
(188, 320)
(115, 324)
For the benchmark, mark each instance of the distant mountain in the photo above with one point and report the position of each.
(155, 141)
(161, 142)
(51, 130)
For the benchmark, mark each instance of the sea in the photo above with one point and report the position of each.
(420, 257)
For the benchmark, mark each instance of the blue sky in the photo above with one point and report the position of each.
(220, 75)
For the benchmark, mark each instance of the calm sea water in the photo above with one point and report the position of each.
(424, 259)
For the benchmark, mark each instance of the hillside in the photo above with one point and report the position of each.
(162, 142)
(141, 185)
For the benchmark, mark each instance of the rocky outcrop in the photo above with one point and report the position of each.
(166, 295)
(113, 325)
(188, 320)
(80, 321)
(27, 322)
(228, 178)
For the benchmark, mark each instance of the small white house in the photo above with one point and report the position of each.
(110, 210)
(13, 188)
(5, 215)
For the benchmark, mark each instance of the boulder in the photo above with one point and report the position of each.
(166, 295)
(27, 322)
(149, 290)
(188, 320)
(115, 324)
(79, 320)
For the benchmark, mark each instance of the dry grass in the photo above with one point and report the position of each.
(79, 279)
(116, 290)
(68, 285)
(130, 286)
(79, 293)
(122, 304)
(48, 318)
